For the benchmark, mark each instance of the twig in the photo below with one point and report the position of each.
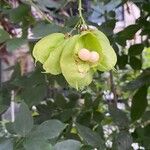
(0, 72)
(12, 106)
(80, 12)
(113, 89)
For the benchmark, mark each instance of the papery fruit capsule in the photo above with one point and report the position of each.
(76, 57)
(43, 47)
(108, 55)
(52, 64)
(76, 72)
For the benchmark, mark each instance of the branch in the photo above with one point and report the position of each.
(113, 89)
(80, 12)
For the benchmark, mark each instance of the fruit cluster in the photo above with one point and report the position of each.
(76, 57)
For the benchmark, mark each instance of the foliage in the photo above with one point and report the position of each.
(54, 116)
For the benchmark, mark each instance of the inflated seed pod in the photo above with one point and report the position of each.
(100, 34)
(90, 42)
(52, 64)
(43, 47)
(76, 57)
(108, 56)
(77, 72)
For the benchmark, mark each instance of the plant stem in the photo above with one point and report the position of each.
(113, 89)
(80, 12)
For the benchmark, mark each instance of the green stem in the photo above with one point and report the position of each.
(80, 12)
(75, 27)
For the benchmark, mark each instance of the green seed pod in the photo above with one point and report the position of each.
(77, 72)
(52, 64)
(108, 55)
(77, 57)
(90, 42)
(43, 47)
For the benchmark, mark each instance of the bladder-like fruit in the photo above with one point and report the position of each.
(76, 57)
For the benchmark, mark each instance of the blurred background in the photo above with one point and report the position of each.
(114, 110)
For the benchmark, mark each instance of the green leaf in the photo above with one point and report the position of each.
(136, 49)
(33, 95)
(135, 63)
(84, 118)
(3, 35)
(88, 100)
(130, 31)
(98, 116)
(108, 26)
(139, 103)
(43, 29)
(96, 102)
(90, 137)
(122, 61)
(146, 138)
(6, 144)
(119, 117)
(19, 14)
(34, 144)
(15, 43)
(86, 147)
(73, 99)
(146, 116)
(24, 121)
(127, 34)
(33, 87)
(142, 135)
(3, 108)
(4, 97)
(122, 141)
(141, 80)
(66, 114)
(49, 129)
(30, 80)
(60, 100)
(10, 127)
(68, 145)
(146, 7)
